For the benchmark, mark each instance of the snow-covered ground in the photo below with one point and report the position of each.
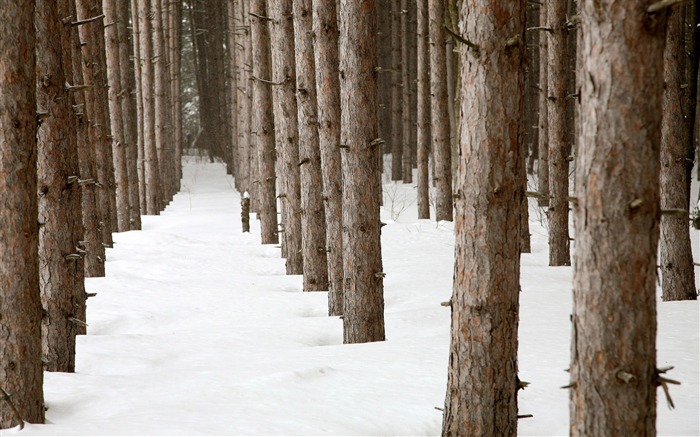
(197, 330)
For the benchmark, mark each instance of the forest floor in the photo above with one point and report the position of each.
(196, 330)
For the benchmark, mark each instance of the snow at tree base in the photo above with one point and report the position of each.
(196, 330)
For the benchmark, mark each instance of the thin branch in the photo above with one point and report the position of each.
(266, 81)
(461, 39)
(87, 20)
(656, 7)
(260, 16)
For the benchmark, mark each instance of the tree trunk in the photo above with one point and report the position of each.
(129, 113)
(396, 92)
(232, 89)
(408, 132)
(119, 145)
(482, 379)
(677, 269)
(21, 376)
(313, 220)
(262, 130)
(286, 130)
(246, 169)
(363, 312)
(61, 267)
(440, 121)
(613, 351)
(558, 73)
(140, 107)
(160, 102)
(175, 73)
(543, 139)
(151, 171)
(325, 27)
(95, 76)
(92, 240)
(423, 106)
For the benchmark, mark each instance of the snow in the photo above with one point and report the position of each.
(196, 330)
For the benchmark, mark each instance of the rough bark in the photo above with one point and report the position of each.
(262, 131)
(557, 75)
(232, 89)
(325, 27)
(87, 154)
(176, 62)
(60, 261)
(151, 170)
(246, 169)
(482, 378)
(440, 120)
(95, 76)
(129, 113)
(423, 106)
(363, 312)
(160, 101)
(313, 219)
(140, 108)
(286, 130)
(21, 376)
(396, 92)
(119, 146)
(676, 255)
(408, 131)
(613, 350)
(543, 139)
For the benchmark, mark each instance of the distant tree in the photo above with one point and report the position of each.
(423, 116)
(613, 349)
(397, 108)
(543, 135)
(232, 71)
(161, 81)
(408, 129)
(440, 121)
(676, 255)
(140, 106)
(482, 380)
(129, 113)
(313, 220)
(262, 129)
(363, 312)
(61, 267)
(21, 376)
(151, 168)
(286, 130)
(325, 27)
(245, 170)
(557, 84)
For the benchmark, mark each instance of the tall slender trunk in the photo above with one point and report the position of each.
(262, 130)
(557, 78)
(119, 145)
(363, 311)
(246, 169)
(232, 89)
(313, 219)
(92, 242)
(286, 133)
(676, 255)
(482, 379)
(95, 75)
(423, 106)
(160, 101)
(21, 377)
(440, 121)
(396, 92)
(613, 348)
(140, 107)
(61, 266)
(151, 170)
(543, 139)
(129, 114)
(408, 131)
(325, 27)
